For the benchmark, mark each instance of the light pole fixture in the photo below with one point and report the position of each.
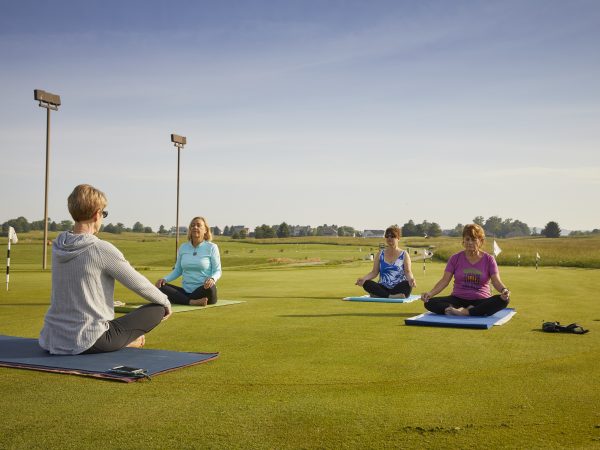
(179, 142)
(48, 101)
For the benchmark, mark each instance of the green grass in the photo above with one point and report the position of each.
(299, 368)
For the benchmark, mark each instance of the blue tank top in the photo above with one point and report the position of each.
(391, 274)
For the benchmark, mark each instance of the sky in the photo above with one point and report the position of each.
(358, 113)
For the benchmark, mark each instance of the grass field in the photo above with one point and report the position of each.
(301, 369)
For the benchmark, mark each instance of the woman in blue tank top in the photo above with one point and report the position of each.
(393, 267)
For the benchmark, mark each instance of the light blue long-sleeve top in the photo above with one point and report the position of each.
(196, 265)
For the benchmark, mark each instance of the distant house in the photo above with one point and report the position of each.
(216, 231)
(373, 233)
(298, 230)
(182, 230)
(329, 231)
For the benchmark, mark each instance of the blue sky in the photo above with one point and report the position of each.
(361, 113)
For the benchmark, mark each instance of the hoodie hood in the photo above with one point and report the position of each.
(67, 245)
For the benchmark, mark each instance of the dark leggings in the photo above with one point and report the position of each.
(128, 328)
(483, 307)
(178, 295)
(379, 290)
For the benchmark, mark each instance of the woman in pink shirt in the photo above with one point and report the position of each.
(472, 269)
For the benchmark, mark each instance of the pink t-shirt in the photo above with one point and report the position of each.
(472, 281)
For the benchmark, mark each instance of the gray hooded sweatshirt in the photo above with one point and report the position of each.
(84, 270)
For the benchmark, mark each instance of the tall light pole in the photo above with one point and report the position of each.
(179, 142)
(48, 101)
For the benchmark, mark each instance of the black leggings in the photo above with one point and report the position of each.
(483, 307)
(178, 295)
(128, 328)
(379, 290)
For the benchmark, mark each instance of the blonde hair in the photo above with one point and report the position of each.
(474, 231)
(395, 230)
(207, 232)
(85, 201)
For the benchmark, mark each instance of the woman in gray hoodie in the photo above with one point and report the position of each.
(81, 317)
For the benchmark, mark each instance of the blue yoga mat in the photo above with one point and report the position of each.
(26, 353)
(430, 319)
(366, 298)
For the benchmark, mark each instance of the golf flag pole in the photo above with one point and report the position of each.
(518, 259)
(537, 258)
(497, 249)
(12, 238)
(426, 254)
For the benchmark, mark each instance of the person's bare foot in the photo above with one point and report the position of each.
(138, 343)
(199, 302)
(452, 311)
(397, 296)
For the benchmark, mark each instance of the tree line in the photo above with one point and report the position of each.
(22, 225)
(283, 230)
(494, 226)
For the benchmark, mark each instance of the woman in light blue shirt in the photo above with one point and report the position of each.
(199, 263)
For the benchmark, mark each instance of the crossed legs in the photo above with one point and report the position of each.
(200, 297)
(401, 290)
(458, 307)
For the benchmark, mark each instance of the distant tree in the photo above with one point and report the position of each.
(457, 230)
(20, 224)
(148, 230)
(434, 230)
(283, 230)
(493, 226)
(552, 230)
(53, 226)
(120, 227)
(346, 230)
(162, 230)
(421, 229)
(110, 228)
(37, 225)
(226, 231)
(216, 231)
(263, 232)
(138, 227)
(479, 220)
(326, 230)
(243, 233)
(65, 225)
(235, 235)
(409, 229)
(519, 228)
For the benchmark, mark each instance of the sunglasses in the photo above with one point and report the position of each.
(104, 214)
(389, 236)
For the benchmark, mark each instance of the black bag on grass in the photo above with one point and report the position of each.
(556, 327)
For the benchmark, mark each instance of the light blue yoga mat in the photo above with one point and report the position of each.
(25, 353)
(430, 319)
(367, 298)
(178, 308)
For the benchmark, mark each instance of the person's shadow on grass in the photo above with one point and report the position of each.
(304, 316)
(287, 297)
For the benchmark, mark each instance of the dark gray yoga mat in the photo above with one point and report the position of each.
(25, 353)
